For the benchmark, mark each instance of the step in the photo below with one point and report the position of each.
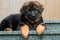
(51, 33)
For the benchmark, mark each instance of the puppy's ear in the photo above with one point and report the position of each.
(42, 9)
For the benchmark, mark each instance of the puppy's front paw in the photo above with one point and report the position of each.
(25, 31)
(40, 29)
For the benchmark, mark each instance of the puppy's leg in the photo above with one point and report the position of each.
(40, 29)
(25, 31)
(8, 29)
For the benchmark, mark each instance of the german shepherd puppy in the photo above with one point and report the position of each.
(29, 18)
(32, 17)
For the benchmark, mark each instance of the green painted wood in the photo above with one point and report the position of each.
(51, 33)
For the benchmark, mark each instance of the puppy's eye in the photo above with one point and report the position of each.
(28, 12)
(36, 11)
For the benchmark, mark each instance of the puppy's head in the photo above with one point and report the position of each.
(32, 10)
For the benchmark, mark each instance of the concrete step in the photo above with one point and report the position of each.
(52, 33)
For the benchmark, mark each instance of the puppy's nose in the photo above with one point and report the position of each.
(33, 14)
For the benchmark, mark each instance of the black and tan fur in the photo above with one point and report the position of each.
(24, 22)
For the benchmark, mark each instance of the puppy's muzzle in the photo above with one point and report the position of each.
(32, 15)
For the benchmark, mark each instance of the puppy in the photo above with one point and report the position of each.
(32, 17)
(29, 18)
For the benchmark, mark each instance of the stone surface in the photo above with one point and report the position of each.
(51, 33)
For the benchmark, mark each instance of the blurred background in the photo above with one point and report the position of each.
(51, 8)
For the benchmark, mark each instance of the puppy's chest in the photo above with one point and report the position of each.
(32, 26)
